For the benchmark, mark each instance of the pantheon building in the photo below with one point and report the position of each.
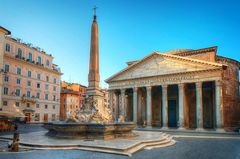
(190, 89)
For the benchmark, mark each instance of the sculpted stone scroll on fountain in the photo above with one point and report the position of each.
(89, 113)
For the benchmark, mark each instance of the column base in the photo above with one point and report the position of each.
(200, 129)
(149, 126)
(181, 128)
(164, 128)
(220, 130)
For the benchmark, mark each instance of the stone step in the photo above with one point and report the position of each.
(162, 138)
(167, 141)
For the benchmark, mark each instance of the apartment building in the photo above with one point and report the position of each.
(29, 80)
(72, 98)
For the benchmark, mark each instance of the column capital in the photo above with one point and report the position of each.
(123, 90)
(165, 86)
(218, 83)
(135, 89)
(149, 88)
(111, 91)
(199, 84)
(181, 85)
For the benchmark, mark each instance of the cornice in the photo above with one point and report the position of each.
(222, 58)
(171, 74)
(199, 51)
(181, 58)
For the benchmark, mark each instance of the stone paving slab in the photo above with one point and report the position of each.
(125, 146)
(195, 131)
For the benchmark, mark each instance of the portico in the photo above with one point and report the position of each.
(166, 91)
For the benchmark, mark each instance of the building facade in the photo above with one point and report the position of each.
(29, 81)
(192, 89)
(72, 97)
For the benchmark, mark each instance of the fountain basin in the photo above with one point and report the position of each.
(90, 130)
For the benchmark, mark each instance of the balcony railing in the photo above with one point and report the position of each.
(54, 68)
(26, 99)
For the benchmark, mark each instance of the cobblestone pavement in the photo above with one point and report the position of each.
(185, 148)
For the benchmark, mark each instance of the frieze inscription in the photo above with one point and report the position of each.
(151, 81)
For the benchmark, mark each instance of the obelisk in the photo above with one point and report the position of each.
(93, 75)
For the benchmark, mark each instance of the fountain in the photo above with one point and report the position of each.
(94, 120)
(89, 123)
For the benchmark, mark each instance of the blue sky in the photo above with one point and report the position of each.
(128, 29)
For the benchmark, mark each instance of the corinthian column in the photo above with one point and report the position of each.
(199, 105)
(111, 103)
(135, 104)
(122, 102)
(181, 104)
(165, 106)
(116, 106)
(149, 106)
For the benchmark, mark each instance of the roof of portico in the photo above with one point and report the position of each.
(212, 65)
(183, 52)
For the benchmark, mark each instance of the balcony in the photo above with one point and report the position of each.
(54, 67)
(26, 99)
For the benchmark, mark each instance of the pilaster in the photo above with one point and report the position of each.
(219, 104)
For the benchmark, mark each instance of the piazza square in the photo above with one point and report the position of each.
(98, 88)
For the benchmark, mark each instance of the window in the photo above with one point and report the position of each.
(39, 60)
(8, 48)
(54, 98)
(18, 92)
(38, 85)
(6, 78)
(37, 106)
(53, 106)
(38, 76)
(46, 96)
(30, 56)
(38, 95)
(5, 103)
(47, 63)
(19, 71)
(17, 104)
(53, 117)
(54, 80)
(47, 78)
(18, 81)
(28, 83)
(6, 68)
(5, 91)
(46, 106)
(19, 54)
(28, 105)
(54, 88)
(37, 116)
(28, 94)
(46, 86)
(29, 73)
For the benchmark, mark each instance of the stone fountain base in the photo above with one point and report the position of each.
(90, 131)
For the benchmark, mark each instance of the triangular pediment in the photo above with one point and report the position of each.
(157, 64)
